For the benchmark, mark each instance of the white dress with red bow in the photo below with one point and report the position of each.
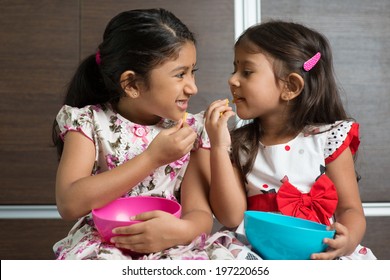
(290, 178)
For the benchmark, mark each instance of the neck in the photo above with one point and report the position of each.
(275, 132)
(130, 109)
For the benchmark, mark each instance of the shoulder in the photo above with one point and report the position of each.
(81, 119)
(339, 136)
(87, 111)
(196, 121)
(84, 113)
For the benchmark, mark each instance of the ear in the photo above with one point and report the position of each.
(294, 86)
(129, 85)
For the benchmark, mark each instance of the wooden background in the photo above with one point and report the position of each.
(43, 41)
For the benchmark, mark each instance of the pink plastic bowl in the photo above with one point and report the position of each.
(118, 213)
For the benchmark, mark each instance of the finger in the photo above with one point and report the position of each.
(144, 216)
(129, 242)
(226, 106)
(126, 230)
(339, 228)
(213, 106)
(329, 255)
(227, 114)
(221, 109)
(332, 243)
(186, 134)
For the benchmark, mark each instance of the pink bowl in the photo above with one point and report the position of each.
(118, 213)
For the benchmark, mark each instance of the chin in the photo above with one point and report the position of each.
(243, 116)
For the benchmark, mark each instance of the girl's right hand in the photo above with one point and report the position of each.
(171, 144)
(217, 116)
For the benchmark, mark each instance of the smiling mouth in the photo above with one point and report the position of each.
(183, 104)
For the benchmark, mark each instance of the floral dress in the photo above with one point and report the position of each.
(116, 141)
(290, 178)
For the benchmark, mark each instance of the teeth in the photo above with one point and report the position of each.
(180, 102)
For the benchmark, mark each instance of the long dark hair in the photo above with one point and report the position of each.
(136, 40)
(290, 45)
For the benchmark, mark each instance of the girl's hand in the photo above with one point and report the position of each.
(158, 231)
(171, 144)
(217, 116)
(337, 247)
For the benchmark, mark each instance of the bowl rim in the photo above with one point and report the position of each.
(95, 211)
(248, 213)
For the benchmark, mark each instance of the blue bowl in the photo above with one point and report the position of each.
(280, 237)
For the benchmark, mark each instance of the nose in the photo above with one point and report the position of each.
(233, 81)
(191, 87)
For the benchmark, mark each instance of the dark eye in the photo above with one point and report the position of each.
(246, 73)
(181, 75)
(194, 70)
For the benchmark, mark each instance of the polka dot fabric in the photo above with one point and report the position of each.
(340, 136)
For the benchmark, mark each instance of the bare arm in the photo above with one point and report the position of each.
(194, 196)
(159, 230)
(227, 192)
(350, 220)
(77, 192)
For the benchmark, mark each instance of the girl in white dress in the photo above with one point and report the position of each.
(296, 155)
(121, 133)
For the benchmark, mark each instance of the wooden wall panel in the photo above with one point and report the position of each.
(215, 38)
(38, 51)
(359, 32)
(23, 239)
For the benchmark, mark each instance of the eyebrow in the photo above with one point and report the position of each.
(184, 68)
(245, 62)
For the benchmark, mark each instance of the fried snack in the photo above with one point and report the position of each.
(227, 103)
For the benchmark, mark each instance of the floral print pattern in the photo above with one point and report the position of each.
(116, 141)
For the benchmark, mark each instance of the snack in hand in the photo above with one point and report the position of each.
(227, 103)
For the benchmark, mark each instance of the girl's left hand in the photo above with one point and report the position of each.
(338, 246)
(157, 232)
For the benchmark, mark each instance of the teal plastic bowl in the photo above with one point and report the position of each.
(280, 237)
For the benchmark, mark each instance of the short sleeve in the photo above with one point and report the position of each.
(341, 135)
(75, 119)
(197, 122)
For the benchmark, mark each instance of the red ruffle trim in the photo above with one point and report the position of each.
(352, 141)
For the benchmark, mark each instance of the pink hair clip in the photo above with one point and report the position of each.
(97, 57)
(310, 63)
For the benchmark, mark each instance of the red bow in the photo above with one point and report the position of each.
(318, 205)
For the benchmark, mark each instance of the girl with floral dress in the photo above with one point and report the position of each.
(121, 133)
(295, 155)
